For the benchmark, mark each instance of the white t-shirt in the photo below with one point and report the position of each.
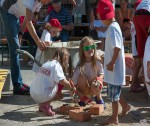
(133, 33)
(114, 39)
(46, 37)
(147, 58)
(98, 23)
(145, 4)
(89, 71)
(45, 84)
(19, 8)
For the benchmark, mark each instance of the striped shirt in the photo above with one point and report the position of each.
(63, 16)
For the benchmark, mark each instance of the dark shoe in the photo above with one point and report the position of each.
(101, 101)
(26, 86)
(137, 89)
(81, 103)
(84, 100)
(21, 90)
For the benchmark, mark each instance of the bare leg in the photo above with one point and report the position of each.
(125, 106)
(135, 72)
(135, 85)
(114, 118)
(82, 86)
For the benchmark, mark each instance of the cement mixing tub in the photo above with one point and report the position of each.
(73, 48)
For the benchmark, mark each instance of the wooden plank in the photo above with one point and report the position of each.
(2, 85)
(3, 76)
(3, 70)
(3, 73)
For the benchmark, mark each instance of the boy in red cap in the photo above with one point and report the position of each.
(52, 29)
(114, 60)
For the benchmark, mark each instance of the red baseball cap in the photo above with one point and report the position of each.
(105, 9)
(55, 23)
(137, 3)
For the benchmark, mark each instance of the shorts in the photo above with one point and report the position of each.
(114, 92)
(142, 23)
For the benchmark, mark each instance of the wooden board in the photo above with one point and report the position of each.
(3, 76)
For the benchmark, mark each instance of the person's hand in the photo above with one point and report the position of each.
(72, 92)
(110, 66)
(48, 43)
(72, 88)
(98, 28)
(41, 45)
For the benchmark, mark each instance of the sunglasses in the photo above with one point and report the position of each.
(87, 48)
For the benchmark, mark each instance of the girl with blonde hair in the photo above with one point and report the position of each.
(88, 75)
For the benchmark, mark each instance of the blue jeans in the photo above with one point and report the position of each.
(64, 37)
(11, 27)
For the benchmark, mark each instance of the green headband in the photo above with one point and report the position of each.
(87, 48)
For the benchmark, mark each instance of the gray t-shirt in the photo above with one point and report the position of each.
(88, 71)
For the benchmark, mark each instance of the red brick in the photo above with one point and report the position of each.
(64, 109)
(96, 109)
(79, 115)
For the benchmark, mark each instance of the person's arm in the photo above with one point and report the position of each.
(68, 27)
(28, 23)
(148, 69)
(68, 85)
(110, 65)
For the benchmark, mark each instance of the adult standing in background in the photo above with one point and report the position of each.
(64, 18)
(121, 14)
(142, 26)
(10, 11)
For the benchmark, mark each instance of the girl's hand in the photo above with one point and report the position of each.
(72, 92)
(72, 88)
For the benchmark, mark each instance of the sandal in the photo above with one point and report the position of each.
(46, 109)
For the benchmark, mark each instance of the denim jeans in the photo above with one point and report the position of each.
(11, 27)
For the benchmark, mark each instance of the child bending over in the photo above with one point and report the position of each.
(49, 80)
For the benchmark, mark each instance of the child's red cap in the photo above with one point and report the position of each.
(55, 23)
(105, 9)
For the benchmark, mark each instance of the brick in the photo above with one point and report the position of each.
(79, 115)
(64, 109)
(96, 109)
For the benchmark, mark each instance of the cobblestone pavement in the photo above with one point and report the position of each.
(18, 110)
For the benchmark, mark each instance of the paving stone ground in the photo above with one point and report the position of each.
(18, 110)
